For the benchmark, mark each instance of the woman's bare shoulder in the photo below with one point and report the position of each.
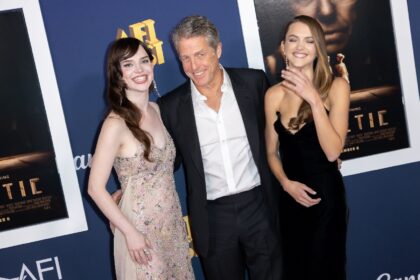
(340, 84)
(339, 92)
(114, 123)
(276, 92)
(155, 106)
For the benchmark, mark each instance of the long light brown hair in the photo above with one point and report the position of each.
(118, 102)
(323, 77)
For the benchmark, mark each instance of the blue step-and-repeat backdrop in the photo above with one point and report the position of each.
(384, 228)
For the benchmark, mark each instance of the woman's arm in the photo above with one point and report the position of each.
(297, 190)
(331, 128)
(109, 142)
(271, 103)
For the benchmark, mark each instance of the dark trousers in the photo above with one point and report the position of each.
(242, 237)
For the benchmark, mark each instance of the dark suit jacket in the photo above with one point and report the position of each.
(177, 113)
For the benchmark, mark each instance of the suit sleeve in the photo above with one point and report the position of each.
(164, 113)
(265, 83)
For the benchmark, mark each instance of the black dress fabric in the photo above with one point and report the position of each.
(314, 238)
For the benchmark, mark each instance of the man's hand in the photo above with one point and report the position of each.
(116, 197)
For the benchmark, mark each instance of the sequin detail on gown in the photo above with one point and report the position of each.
(151, 203)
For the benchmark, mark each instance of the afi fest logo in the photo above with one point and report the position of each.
(145, 32)
(49, 268)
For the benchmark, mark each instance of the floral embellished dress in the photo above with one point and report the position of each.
(151, 203)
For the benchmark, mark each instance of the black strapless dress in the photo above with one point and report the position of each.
(314, 238)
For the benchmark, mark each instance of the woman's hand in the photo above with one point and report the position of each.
(297, 82)
(300, 192)
(139, 247)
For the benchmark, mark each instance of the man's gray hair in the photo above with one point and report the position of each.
(194, 26)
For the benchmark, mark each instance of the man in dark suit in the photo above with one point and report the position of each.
(216, 120)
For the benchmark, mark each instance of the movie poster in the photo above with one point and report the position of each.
(30, 188)
(361, 46)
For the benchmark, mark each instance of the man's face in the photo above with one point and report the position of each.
(199, 60)
(335, 16)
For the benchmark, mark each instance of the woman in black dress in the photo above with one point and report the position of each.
(307, 118)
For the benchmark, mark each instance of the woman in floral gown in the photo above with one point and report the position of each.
(150, 239)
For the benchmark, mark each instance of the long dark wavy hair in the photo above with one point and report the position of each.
(323, 78)
(122, 49)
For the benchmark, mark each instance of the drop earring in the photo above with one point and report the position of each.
(286, 61)
(155, 89)
(329, 64)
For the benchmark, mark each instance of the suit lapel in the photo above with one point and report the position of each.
(189, 130)
(248, 111)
